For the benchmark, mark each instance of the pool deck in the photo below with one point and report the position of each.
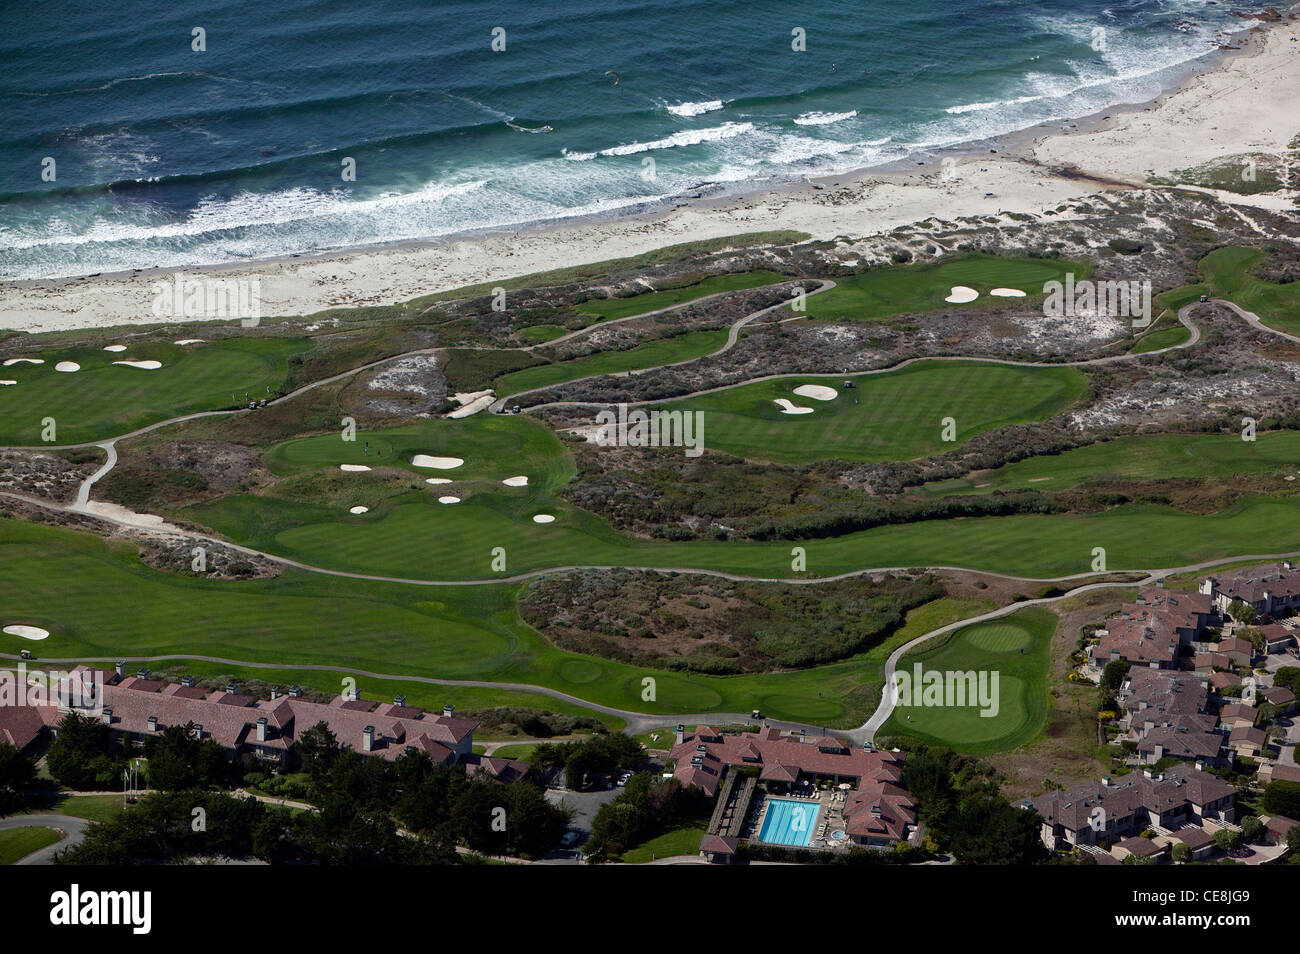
(830, 818)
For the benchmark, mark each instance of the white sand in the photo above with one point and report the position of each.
(818, 392)
(439, 480)
(1007, 293)
(437, 463)
(7, 383)
(67, 367)
(1246, 105)
(12, 361)
(115, 348)
(143, 365)
(131, 518)
(190, 341)
(788, 408)
(520, 481)
(543, 518)
(448, 500)
(472, 402)
(960, 294)
(27, 632)
(353, 467)
(359, 510)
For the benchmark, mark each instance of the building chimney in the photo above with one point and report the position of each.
(399, 701)
(198, 730)
(261, 729)
(680, 735)
(1105, 781)
(187, 682)
(275, 693)
(108, 716)
(232, 687)
(354, 694)
(368, 739)
(449, 710)
(153, 723)
(296, 692)
(120, 669)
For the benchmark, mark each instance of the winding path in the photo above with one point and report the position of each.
(72, 829)
(640, 721)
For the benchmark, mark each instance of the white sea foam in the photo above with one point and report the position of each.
(823, 119)
(695, 109)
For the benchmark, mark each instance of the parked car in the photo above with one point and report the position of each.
(570, 837)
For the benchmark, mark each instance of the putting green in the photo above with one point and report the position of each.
(106, 400)
(886, 292)
(1000, 637)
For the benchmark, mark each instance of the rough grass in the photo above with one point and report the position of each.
(604, 309)
(18, 843)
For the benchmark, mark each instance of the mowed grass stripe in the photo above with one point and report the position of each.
(606, 309)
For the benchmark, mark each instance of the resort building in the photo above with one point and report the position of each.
(139, 707)
(793, 790)
(1270, 590)
(1152, 630)
(1110, 811)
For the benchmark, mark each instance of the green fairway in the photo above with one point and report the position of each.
(605, 309)
(693, 344)
(1228, 271)
(1018, 649)
(886, 292)
(1163, 338)
(679, 841)
(105, 400)
(18, 843)
(897, 415)
(1147, 457)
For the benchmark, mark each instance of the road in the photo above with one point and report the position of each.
(73, 829)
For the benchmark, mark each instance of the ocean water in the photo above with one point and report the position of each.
(167, 156)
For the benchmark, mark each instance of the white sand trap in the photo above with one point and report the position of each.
(818, 392)
(520, 481)
(448, 500)
(960, 294)
(544, 518)
(4, 384)
(185, 341)
(359, 510)
(67, 367)
(439, 480)
(142, 365)
(1007, 293)
(788, 408)
(129, 517)
(115, 348)
(27, 632)
(437, 463)
(353, 468)
(9, 363)
(472, 402)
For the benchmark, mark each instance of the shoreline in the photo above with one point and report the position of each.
(1233, 100)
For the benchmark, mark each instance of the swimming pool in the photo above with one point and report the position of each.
(788, 821)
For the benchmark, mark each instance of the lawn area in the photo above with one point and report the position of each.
(1017, 649)
(518, 750)
(884, 293)
(89, 807)
(1150, 456)
(693, 344)
(605, 309)
(18, 843)
(105, 400)
(1161, 338)
(1228, 271)
(897, 415)
(679, 841)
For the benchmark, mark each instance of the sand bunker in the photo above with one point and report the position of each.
(185, 341)
(27, 632)
(115, 348)
(439, 480)
(67, 367)
(143, 365)
(12, 361)
(448, 500)
(471, 402)
(353, 467)
(519, 481)
(7, 383)
(544, 518)
(1007, 293)
(788, 408)
(437, 463)
(359, 510)
(960, 294)
(818, 392)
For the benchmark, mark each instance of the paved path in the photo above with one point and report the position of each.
(72, 829)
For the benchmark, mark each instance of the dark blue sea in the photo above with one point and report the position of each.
(168, 156)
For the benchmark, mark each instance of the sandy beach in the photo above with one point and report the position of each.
(1244, 104)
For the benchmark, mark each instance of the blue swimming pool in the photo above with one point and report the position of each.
(788, 821)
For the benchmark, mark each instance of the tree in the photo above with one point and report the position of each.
(1282, 798)
(17, 773)
(317, 749)
(178, 760)
(1182, 854)
(986, 830)
(1288, 677)
(80, 756)
(1252, 829)
(1225, 839)
(1242, 612)
(1112, 677)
